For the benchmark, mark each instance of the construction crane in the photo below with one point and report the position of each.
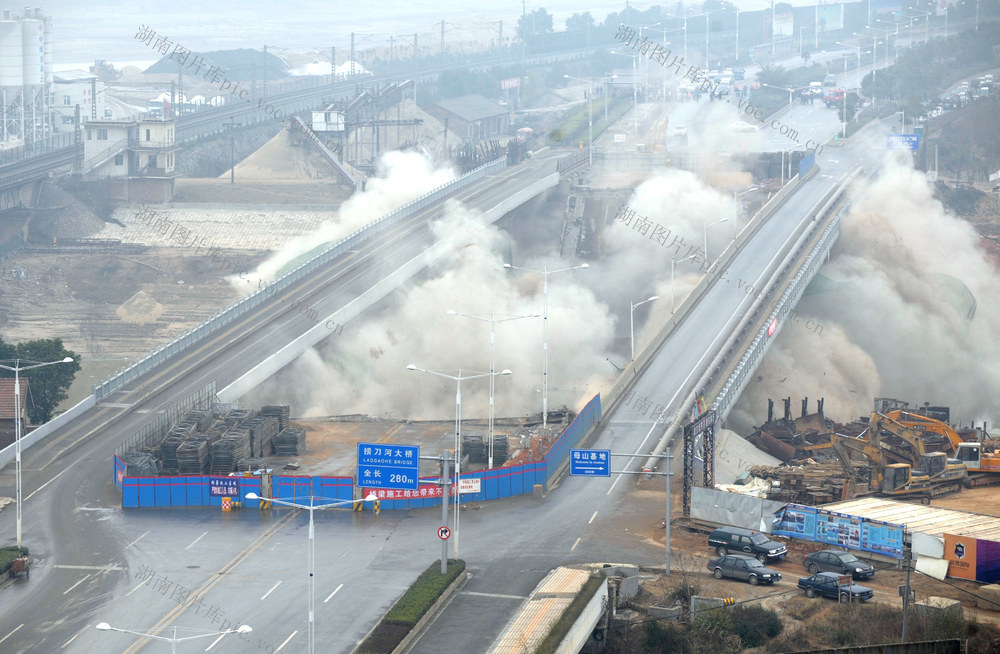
(928, 475)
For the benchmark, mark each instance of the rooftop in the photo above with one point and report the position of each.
(7, 408)
(472, 107)
(925, 519)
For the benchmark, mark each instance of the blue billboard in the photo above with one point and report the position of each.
(841, 529)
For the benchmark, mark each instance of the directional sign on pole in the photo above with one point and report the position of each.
(388, 466)
(444, 533)
(590, 463)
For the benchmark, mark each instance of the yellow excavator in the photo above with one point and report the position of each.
(926, 476)
(980, 459)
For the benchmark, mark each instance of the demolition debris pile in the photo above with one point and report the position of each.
(218, 442)
(896, 451)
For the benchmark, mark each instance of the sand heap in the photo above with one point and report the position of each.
(279, 159)
(139, 309)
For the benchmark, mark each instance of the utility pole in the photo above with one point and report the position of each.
(906, 588)
(352, 54)
(442, 38)
(445, 493)
(333, 64)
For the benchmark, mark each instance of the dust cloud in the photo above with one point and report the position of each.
(364, 369)
(402, 177)
(907, 306)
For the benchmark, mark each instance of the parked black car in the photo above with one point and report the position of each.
(745, 541)
(746, 568)
(839, 562)
(825, 584)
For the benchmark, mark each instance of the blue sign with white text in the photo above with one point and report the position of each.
(590, 463)
(226, 486)
(382, 465)
(903, 142)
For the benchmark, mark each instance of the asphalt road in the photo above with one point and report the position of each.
(74, 535)
(586, 509)
(96, 563)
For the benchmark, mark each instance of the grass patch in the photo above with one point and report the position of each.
(409, 608)
(804, 609)
(569, 616)
(574, 126)
(8, 554)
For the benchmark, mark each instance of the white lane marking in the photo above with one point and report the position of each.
(333, 593)
(77, 584)
(11, 633)
(74, 637)
(43, 486)
(100, 568)
(494, 595)
(591, 521)
(264, 596)
(141, 584)
(196, 540)
(286, 640)
(136, 541)
(221, 636)
(575, 544)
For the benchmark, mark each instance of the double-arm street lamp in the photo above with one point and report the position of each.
(493, 320)
(173, 640)
(631, 321)
(16, 369)
(311, 508)
(545, 272)
(458, 432)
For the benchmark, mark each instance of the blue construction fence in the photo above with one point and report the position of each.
(496, 483)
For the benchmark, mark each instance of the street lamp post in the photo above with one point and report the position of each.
(631, 321)
(311, 508)
(458, 432)
(673, 263)
(17, 428)
(706, 226)
(173, 640)
(493, 321)
(545, 272)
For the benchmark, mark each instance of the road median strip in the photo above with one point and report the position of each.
(392, 633)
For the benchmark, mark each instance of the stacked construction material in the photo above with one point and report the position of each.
(262, 430)
(501, 448)
(140, 464)
(193, 457)
(201, 418)
(290, 442)
(168, 454)
(281, 411)
(229, 449)
(474, 447)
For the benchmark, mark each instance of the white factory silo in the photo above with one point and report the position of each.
(11, 78)
(25, 73)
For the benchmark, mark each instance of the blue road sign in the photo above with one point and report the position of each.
(590, 463)
(903, 142)
(382, 465)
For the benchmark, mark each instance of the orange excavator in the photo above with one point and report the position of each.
(980, 458)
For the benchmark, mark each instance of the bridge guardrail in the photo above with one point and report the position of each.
(226, 316)
(633, 369)
(741, 374)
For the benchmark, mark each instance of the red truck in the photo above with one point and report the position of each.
(834, 97)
